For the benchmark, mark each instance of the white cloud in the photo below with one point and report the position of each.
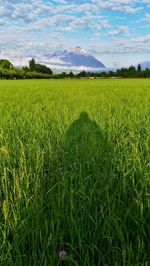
(33, 27)
(147, 17)
(119, 30)
(125, 6)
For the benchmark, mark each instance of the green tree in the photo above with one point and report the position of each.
(139, 69)
(82, 74)
(38, 68)
(32, 65)
(4, 63)
(63, 75)
(43, 69)
(26, 69)
(17, 73)
(132, 72)
(71, 75)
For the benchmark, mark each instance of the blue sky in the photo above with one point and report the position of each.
(116, 32)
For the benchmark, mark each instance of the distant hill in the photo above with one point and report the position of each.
(145, 65)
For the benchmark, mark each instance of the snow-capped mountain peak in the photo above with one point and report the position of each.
(79, 50)
(76, 58)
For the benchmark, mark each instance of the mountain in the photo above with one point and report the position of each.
(145, 65)
(77, 59)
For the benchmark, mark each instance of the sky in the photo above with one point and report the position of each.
(117, 32)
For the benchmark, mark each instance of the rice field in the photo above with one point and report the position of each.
(75, 172)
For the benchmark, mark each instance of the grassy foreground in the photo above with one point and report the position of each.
(75, 172)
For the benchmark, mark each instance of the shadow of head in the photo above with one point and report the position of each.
(84, 116)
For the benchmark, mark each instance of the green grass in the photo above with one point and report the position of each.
(75, 181)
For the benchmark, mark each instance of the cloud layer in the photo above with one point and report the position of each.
(104, 28)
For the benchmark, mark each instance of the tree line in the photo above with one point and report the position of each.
(131, 72)
(39, 71)
(8, 71)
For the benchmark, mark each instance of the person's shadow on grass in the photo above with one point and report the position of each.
(90, 198)
(84, 163)
(86, 150)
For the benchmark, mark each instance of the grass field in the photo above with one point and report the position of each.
(75, 172)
